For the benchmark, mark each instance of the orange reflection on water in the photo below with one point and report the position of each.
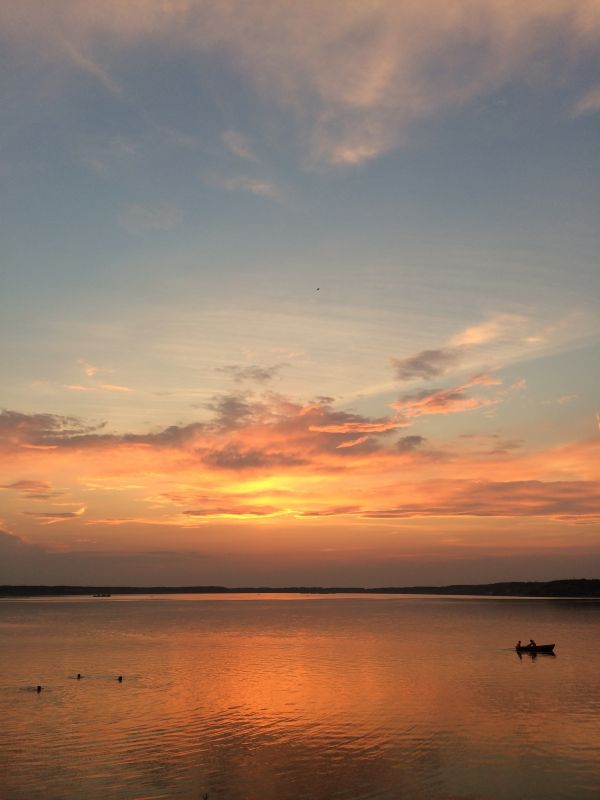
(256, 696)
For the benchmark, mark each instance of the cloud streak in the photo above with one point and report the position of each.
(29, 488)
(502, 499)
(243, 183)
(50, 517)
(252, 373)
(451, 400)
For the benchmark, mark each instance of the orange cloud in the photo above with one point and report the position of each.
(497, 327)
(89, 369)
(352, 442)
(269, 457)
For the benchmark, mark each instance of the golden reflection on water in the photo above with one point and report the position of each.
(281, 698)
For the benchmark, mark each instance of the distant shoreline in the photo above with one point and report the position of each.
(575, 587)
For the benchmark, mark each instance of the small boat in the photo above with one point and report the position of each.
(538, 648)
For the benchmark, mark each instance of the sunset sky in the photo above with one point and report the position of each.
(299, 292)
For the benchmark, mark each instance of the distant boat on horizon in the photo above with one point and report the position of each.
(102, 595)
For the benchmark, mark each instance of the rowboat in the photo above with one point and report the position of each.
(539, 648)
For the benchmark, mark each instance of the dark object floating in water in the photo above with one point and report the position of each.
(538, 648)
(120, 679)
(78, 676)
(38, 689)
(101, 595)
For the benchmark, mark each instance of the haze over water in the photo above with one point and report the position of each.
(285, 697)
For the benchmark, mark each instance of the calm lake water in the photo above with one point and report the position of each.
(288, 697)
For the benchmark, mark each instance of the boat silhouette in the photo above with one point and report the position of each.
(537, 648)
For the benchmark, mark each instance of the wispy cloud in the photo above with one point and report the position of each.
(239, 145)
(351, 423)
(562, 400)
(136, 219)
(357, 76)
(498, 327)
(353, 442)
(99, 387)
(243, 183)
(113, 387)
(83, 60)
(504, 333)
(502, 499)
(77, 387)
(450, 400)
(103, 156)
(89, 369)
(242, 512)
(332, 511)
(252, 373)
(589, 103)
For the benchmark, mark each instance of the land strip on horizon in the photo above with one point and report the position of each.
(580, 587)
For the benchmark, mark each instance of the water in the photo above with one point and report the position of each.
(289, 697)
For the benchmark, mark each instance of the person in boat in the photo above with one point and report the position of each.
(532, 643)
(519, 645)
